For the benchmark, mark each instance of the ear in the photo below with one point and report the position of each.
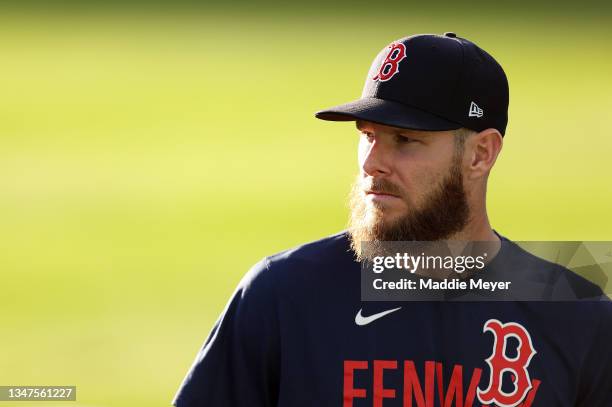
(483, 147)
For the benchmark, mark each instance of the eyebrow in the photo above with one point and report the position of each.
(396, 131)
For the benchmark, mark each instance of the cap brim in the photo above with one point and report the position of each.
(387, 112)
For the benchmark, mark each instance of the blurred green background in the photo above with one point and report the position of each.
(149, 157)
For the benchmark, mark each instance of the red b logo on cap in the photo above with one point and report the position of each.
(390, 67)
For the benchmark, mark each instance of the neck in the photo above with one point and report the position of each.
(478, 227)
(477, 231)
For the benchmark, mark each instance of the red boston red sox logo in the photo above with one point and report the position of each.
(500, 363)
(390, 66)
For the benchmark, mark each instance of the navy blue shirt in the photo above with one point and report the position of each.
(289, 336)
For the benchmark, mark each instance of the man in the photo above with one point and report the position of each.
(296, 332)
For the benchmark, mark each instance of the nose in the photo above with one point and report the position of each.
(374, 157)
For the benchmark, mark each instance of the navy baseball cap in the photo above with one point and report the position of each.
(431, 82)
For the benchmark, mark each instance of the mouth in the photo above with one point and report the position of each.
(379, 194)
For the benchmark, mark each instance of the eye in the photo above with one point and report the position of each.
(404, 139)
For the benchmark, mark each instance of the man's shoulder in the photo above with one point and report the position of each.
(304, 262)
(560, 280)
(331, 248)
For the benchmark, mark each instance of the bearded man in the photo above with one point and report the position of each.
(431, 121)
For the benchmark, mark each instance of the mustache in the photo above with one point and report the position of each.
(380, 186)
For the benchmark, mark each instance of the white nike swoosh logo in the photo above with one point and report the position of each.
(361, 320)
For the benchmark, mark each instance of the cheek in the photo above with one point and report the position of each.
(418, 180)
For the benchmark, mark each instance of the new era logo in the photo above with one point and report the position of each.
(475, 111)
